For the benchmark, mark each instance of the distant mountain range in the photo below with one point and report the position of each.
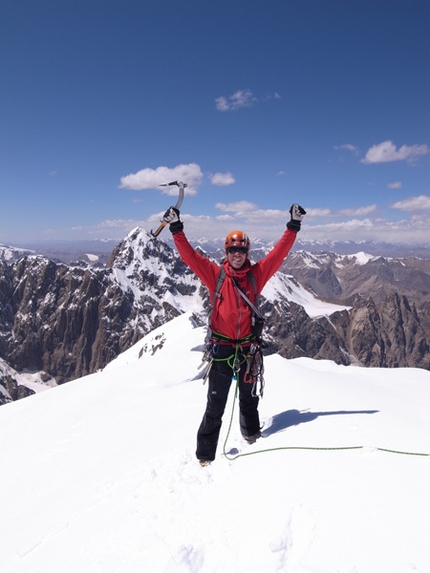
(60, 321)
(98, 251)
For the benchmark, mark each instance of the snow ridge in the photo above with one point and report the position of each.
(100, 473)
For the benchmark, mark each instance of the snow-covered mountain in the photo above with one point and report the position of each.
(99, 475)
(65, 321)
(8, 253)
(69, 320)
(93, 252)
(341, 277)
(67, 251)
(16, 385)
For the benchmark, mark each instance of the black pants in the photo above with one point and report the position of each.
(220, 378)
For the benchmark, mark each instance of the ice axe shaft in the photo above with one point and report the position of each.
(158, 231)
(177, 206)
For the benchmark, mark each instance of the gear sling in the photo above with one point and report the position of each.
(254, 356)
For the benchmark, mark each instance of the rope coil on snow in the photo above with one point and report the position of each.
(312, 448)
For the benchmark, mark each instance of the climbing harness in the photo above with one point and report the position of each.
(253, 355)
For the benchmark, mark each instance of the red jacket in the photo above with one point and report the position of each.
(232, 315)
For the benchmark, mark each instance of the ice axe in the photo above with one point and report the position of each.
(177, 206)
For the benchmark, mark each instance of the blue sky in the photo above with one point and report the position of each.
(254, 104)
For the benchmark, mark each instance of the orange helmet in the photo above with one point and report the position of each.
(237, 239)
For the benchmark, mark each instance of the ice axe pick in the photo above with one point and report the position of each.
(177, 206)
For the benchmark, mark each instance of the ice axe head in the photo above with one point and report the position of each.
(177, 206)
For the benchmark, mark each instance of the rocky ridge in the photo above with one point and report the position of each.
(66, 321)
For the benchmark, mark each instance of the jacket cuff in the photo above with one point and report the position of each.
(294, 226)
(176, 227)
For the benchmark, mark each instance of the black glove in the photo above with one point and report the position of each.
(297, 213)
(171, 217)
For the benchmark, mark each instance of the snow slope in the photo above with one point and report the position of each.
(282, 285)
(99, 475)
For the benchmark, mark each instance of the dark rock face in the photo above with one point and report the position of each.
(340, 278)
(71, 320)
(60, 317)
(390, 334)
(389, 322)
(11, 390)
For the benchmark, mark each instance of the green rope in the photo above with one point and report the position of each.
(306, 448)
(232, 358)
(230, 424)
(401, 452)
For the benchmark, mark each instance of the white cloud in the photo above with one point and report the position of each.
(224, 218)
(350, 212)
(386, 152)
(152, 179)
(318, 212)
(362, 223)
(116, 223)
(222, 179)
(348, 147)
(237, 207)
(270, 96)
(420, 203)
(115, 229)
(270, 224)
(240, 99)
(221, 104)
(260, 216)
(395, 185)
(357, 212)
(407, 231)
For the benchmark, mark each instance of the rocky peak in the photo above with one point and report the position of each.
(341, 277)
(71, 320)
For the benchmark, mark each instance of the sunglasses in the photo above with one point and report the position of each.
(240, 250)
